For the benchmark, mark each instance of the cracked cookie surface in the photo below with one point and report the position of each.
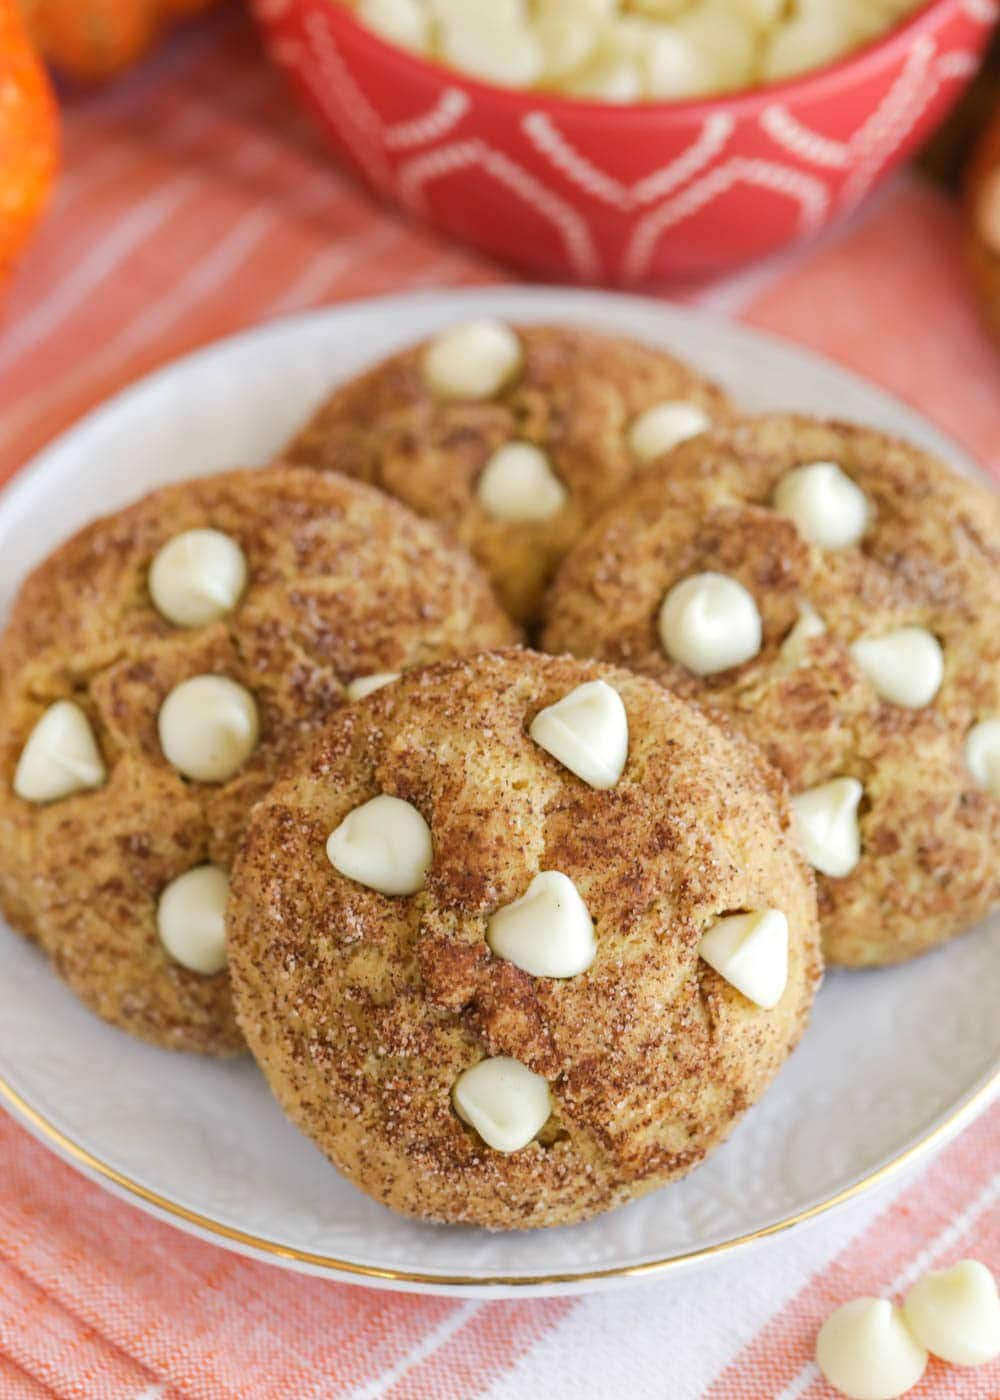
(929, 558)
(575, 396)
(363, 1009)
(341, 583)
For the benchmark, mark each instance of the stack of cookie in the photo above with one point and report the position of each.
(515, 937)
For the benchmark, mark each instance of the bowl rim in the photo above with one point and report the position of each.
(815, 82)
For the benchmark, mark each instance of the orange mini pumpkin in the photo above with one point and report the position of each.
(28, 136)
(95, 39)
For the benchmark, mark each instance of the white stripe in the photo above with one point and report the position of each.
(331, 264)
(430, 1343)
(914, 1270)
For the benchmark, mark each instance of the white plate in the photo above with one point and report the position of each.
(892, 1061)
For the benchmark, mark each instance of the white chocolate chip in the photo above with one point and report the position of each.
(61, 756)
(548, 931)
(507, 1103)
(906, 666)
(826, 505)
(197, 577)
(208, 728)
(365, 685)
(751, 952)
(827, 822)
(955, 1314)
(806, 42)
(570, 31)
(982, 754)
(518, 484)
(665, 425)
(384, 844)
(473, 361)
(587, 731)
(613, 75)
(404, 22)
(709, 622)
(191, 919)
(865, 1351)
(795, 647)
(493, 45)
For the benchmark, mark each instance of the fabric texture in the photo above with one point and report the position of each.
(195, 202)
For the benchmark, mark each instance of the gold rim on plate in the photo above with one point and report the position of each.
(142, 1195)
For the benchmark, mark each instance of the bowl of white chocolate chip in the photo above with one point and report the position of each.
(625, 141)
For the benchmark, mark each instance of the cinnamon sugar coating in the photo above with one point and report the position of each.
(574, 397)
(342, 582)
(930, 836)
(362, 1010)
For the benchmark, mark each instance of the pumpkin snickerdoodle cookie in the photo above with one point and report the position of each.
(514, 437)
(157, 670)
(833, 593)
(519, 938)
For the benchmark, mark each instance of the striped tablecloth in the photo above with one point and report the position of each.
(194, 203)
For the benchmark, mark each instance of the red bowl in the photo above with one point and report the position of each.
(627, 194)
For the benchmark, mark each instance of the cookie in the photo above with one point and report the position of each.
(487, 986)
(157, 670)
(982, 236)
(832, 593)
(512, 437)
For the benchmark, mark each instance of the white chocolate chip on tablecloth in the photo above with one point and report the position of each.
(866, 1351)
(751, 952)
(548, 932)
(518, 485)
(191, 919)
(587, 731)
(955, 1313)
(472, 361)
(504, 1101)
(829, 509)
(60, 757)
(197, 577)
(208, 728)
(827, 821)
(709, 622)
(906, 666)
(384, 844)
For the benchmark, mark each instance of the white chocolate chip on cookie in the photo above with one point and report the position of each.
(191, 919)
(905, 666)
(548, 932)
(473, 361)
(518, 485)
(61, 756)
(507, 1103)
(795, 647)
(866, 1351)
(982, 754)
(366, 685)
(664, 426)
(709, 622)
(197, 577)
(826, 505)
(384, 844)
(751, 952)
(208, 728)
(587, 731)
(955, 1313)
(827, 820)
